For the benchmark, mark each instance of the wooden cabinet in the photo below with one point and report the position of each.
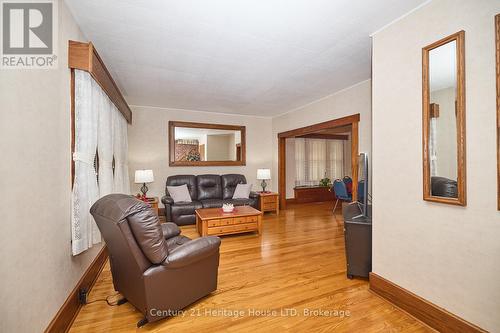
(313, 194)
(269, 202)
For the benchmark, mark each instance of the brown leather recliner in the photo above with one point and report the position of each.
(158, 270)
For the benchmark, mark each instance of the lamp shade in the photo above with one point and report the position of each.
(144, 176)
(263, 174)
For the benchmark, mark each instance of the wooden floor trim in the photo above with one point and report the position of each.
(69, 310)
(429, 313)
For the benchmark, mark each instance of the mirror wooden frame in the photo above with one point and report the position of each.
(171, 144)
(461, 200)
(497, 39)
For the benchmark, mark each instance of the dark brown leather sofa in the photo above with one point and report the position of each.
(206, 191)
(444, 187)
(158, 270)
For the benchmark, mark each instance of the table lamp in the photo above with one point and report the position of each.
(144, 176)
(263, 174)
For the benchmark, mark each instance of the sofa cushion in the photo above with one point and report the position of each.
(229, 183)
(242, 191)
(189, 180)
(212, 203)
(209, 187)
(179, 193)
(148, 234)
(185, 208)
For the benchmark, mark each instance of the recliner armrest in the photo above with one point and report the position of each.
(170, 230)
(253, 195)
(167, 200)
(192, 251)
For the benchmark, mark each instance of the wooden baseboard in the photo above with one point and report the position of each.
(429, 313)
(67, 313)
(291, 201)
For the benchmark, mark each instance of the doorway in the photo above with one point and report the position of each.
(325, 129)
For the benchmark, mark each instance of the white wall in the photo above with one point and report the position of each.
(37, 271)
(355, 99)
(445, 254)
(148, 145)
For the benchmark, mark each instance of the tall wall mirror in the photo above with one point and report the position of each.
(199, 144)
(443, 75)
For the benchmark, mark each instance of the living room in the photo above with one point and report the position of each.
(198, 165)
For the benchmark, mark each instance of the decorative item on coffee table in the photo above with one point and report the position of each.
(227, 208)
(269, 202)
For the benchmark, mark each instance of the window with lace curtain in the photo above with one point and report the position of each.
(316, 159)
(99, 157)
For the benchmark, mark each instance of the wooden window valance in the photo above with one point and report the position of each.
(84, 56)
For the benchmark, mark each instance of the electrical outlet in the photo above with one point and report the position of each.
(82, 295)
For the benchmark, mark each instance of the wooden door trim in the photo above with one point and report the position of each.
(352, 120)
(320, 126)
(497, 40)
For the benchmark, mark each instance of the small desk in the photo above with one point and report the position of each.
(269, 202)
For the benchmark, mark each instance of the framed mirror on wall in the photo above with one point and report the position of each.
(443, 103)
(497, 40)
(200, 144)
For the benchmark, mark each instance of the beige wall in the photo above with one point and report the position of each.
(37, 271)
(445, 254)
(148, 145)
(355, 99)
(219, 147)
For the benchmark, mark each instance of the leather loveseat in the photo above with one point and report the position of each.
(206, 191)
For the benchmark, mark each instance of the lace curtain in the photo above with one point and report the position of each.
(105, 145)
(120, 144)
(101, 128)
(317, 158)
(85, 188)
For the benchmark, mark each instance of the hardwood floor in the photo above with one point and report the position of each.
(297, 263)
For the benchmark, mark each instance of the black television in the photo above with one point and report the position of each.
(363, 194)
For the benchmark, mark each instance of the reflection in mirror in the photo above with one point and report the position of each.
(198, 144)
(204, 144)
(444, 125)
(443, 120)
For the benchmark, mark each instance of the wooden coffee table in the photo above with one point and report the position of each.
(213, 221)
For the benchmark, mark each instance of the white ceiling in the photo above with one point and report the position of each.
(257, 57)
